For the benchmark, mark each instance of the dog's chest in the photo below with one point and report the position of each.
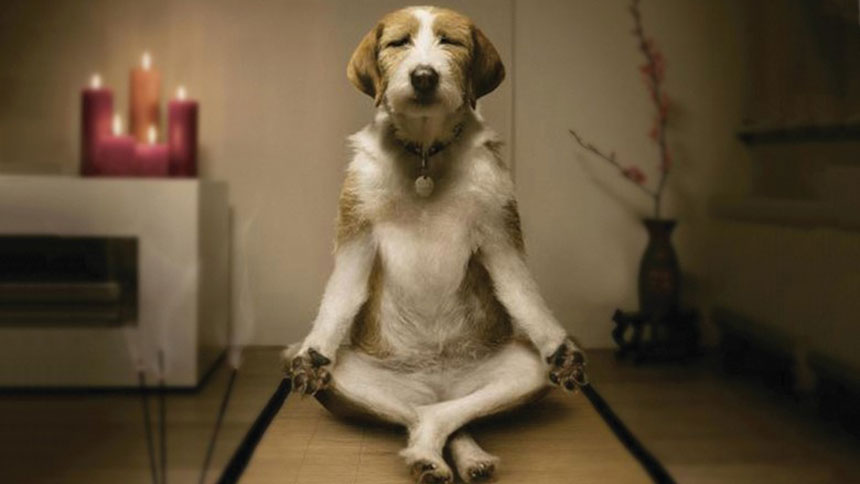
(425, 254)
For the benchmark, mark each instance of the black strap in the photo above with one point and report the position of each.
(243, 453)
(147, 426)
(222, 410)
(652, 466)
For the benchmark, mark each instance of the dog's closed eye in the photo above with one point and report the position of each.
(399, 42)
(443, 40)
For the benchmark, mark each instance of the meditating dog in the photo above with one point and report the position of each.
(430, 319)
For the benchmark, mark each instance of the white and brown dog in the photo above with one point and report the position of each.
(430, 318)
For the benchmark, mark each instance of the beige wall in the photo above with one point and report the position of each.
(276, 108)
(577, 67)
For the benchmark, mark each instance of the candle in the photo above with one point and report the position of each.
(151, 158)
(115, 153)
(182, 134)
(96, 110)
(143, 98)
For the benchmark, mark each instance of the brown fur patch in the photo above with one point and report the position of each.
(370, 63)
(396, 25)
(350, 222)
(363, 70)
(457, 29)
(453, 25)
(366, 333)
(487, 68)
(481, 68)
(491, 322)
(512, 225)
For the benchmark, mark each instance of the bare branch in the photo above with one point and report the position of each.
(610, 158)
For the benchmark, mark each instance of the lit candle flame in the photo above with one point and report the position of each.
(146, 60)
(150, 135)
(180, 93)
(117, 125)
(96, 81)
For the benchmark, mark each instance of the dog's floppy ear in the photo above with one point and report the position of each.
(363, 69)
(487, 68)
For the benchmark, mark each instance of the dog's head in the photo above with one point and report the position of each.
(425, 61)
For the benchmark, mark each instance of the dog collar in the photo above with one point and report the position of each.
(424, 184)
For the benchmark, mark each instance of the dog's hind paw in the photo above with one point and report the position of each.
(480, 471)
(567, 366)
(426, 467)
(308, 372)
(427, 472)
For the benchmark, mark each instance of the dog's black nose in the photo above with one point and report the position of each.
(424, 79)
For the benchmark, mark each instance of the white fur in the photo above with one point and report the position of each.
(345, 292)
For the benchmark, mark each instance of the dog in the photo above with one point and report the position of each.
(430, 318)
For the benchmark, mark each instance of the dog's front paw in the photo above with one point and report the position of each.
(308, 371)
(567, 366)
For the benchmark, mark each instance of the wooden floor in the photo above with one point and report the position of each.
(557, 441)
(705, 427)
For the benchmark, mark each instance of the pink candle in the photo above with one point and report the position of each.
(143, 104)
(182, 134)
(96, 112)
(151, 158)
(115, 156)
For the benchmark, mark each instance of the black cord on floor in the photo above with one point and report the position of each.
(654, 468)
(147, 425)
(243, 453)
(221, 411)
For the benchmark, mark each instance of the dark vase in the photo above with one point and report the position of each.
(661, 329)
(659, 274)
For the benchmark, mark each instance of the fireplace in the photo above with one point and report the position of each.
(62, 281)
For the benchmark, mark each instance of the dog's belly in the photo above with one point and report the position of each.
(431, 300)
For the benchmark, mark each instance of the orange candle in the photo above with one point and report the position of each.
(143, 98)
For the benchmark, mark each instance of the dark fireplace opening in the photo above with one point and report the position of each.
(49, 280)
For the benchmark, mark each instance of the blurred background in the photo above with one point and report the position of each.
(762, 122)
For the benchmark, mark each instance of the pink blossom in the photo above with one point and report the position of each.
(634, 174)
